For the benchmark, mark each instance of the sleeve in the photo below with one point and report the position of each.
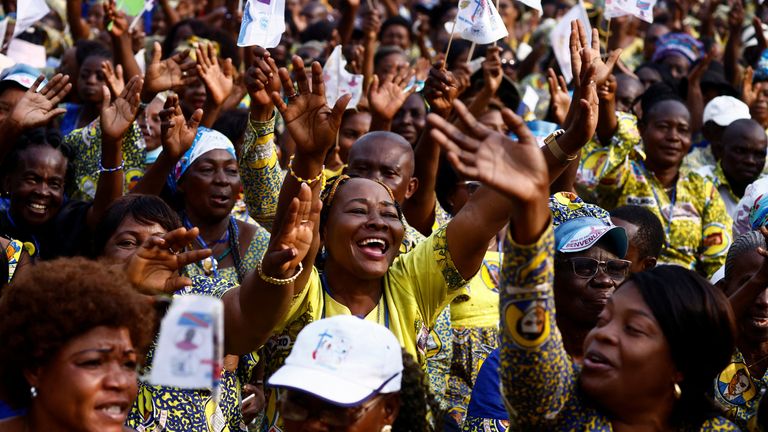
(260, 172)
(305, 301)
(428, 273)
(716, 226)
(604, 170)
(537, 377)
(439, 355)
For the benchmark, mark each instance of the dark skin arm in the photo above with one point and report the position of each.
(349, 10)
(116, 118)
(607, 123)
(695, 96)
(386, 96)
(733, 46)
(121, 40)
(77, 25)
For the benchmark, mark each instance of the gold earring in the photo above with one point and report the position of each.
(678, 391)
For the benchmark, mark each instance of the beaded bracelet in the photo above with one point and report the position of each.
(275, 281)
(309, 182)
(111, 170)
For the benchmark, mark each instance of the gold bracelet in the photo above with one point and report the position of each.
(551, 142)
(301, 180)
(275, 281)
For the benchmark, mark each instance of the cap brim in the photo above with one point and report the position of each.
(616, 235)
(329, 387)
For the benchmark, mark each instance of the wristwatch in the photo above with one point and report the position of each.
(551, 143)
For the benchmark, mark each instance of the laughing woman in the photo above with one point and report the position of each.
(361, 229)
(658, 343)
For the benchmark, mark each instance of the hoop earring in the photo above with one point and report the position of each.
(678, 391)
(33, 392)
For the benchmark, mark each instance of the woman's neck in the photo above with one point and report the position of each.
(210, 231)
(88, 114)
(653, 417)
(755, 356)
(667, 176)
(360, 296)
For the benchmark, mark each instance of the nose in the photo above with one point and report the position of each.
(118, 377)
(762, 299)
(375, 221)
(606, 334)
(220, 177)
(601, 279)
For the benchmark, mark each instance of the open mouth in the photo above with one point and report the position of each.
(116, 412)
(220, 199)
(37, 208)
(596, 361)
(759, 321)
(374, 247)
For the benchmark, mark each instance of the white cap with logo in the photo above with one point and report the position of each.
(343, 360)
(725, 110)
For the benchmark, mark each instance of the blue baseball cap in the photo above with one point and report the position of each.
(581, 233)
(22, 75)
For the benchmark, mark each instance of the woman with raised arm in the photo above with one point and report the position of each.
(361, 228)
(658, 344)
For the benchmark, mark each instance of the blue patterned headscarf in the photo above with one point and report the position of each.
(678, 43)
(205, 141)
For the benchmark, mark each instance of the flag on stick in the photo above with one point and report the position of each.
(263, 23)
(339, 82)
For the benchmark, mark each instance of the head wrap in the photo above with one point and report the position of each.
(678, 43)
(758, 214)
(206, 140)
(761, 69)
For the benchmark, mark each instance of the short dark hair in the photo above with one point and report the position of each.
(650, 234)
(90, 48)
(698, 324)
(53, 302)
(385, 51)
(396, 20)
(655, 95)
(144, 209)
(37, 137)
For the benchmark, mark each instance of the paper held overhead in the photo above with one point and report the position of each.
(479, 21)
(561, 35)
(339, 82)
(263, 23)
(27, 13)
(642, 9)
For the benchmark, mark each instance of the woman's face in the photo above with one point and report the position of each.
(754, 324)
(211, 186)
(90, 385)
(411, 119)
(759, 108)
(193, 97)
(678, 65)
(492, 119)
(363, 232)
(627, 359)
(666, 134)
(150, 124)
(128, 237)
(36, 186)
(304, 412)
(90, 80)
(396, 35)
(353, 126)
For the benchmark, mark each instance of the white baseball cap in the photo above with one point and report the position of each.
(725, 110)
(343, 360)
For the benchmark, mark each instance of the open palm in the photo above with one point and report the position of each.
(117, 116)
(177, 133)
(261, 79)
(311, 122)
(514, 168)
(175, 71)
(37, 108)
(218, 77)
(387, 95)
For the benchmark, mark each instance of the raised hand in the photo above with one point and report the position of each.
(559, 99)
(290, 246)
(218, 77)
(37, 108)
(311, 122)
(261, 79)
(748, 92)
(178, 133)
(492, 72)
(154, 268)
(113, 77)
(175, 71)
(115, 20)
(386, 95)
(117, 115)
(607, 91)
(440, 89)
(516, 169)
(578, 43)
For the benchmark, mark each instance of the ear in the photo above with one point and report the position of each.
(32, 376)
(413, 186)
(648, 263)
(391, 408)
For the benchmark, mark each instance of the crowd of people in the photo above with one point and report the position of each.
(461, 240)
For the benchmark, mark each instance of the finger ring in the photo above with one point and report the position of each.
(293, 96)
(184, 74)
(304, 221)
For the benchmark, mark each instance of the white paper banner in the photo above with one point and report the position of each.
(561, 35)
(263, 23)
(642, 9)
(27, 13)
(338, 81)
(190, 348)
(479, 21)
(535, 4)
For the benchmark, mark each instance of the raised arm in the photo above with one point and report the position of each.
(176, 71)
(313, 125)
(122, 43)
(219, 81)
(115, 119)
(77, 25)
(387, 94)
(257, 157)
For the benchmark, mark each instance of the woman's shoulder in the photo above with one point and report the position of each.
(13, 424)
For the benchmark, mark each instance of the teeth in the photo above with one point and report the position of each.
(37, 206)
(113, 410)
(376, 241)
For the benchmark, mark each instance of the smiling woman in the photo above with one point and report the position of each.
(69, 356)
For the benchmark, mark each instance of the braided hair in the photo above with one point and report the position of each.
(329, 193)
(419, 409)
(749, 241)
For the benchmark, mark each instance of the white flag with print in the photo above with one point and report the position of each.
(263, 23)
(642, 9)
(561, 35)
(535, 4)
(27, 13)
(479, 21)
(339, 82)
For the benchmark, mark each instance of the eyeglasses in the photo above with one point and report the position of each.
(291, 409)
(583, 267)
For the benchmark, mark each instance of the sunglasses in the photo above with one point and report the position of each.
(586, 268)
(292, 409)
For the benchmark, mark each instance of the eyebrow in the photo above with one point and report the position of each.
(104, 351)
(365, 201)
